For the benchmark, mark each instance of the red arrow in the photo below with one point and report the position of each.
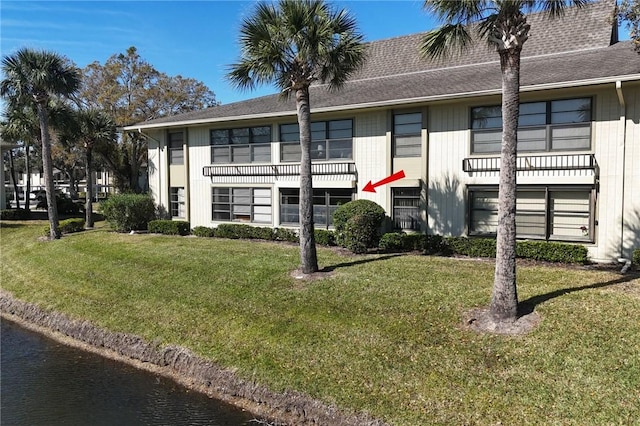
(372, 187)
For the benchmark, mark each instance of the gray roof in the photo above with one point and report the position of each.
(564, 51)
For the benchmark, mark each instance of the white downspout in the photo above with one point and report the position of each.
(623, 141)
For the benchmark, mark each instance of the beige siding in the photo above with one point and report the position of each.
(157, 168)
(448, 145)
(631, 227)
(372, 154)
(200, 185)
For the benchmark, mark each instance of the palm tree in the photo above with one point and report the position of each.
(293, 44)
(94, 129)
(22, 126)
(32, 77)
(503, 24)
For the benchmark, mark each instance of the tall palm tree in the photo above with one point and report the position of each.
(503, 24)
(94, 128)
(32, 77)
(293, 44)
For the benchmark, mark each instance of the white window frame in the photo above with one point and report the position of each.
(251, 208)
(228, 152)
(326, 148)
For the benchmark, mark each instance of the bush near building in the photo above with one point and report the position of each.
(169, 227)
(358, 225)
(129, 212)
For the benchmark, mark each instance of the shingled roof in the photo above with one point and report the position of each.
(560, 52)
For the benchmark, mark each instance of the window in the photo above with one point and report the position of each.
(177, 202)
(406, 208)
(242, 145)
(325, 203)
(176, 148)
(241, 205)
(562, 125)
(407, 135)
(550, 213)
(330, 140)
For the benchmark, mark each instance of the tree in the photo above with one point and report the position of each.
(503, 24)
(32, 77)
(131, 90)
(629, 11)
(94, 128)
(293, 44)
(22, 127)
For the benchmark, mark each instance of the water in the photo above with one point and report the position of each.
(43, 382)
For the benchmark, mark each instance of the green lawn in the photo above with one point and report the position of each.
(383, 334)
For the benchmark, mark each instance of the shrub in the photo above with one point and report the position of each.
(636, 257)
(239, 230)
(285, 234)
(325, 237)
(67, 226)
(552, 252)
(203, 231)
(128, 212)
(169, 227)
(358, 225)
(392, 241)
(536, 250)
(14, 214)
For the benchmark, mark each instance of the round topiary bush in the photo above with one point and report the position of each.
(358, 225)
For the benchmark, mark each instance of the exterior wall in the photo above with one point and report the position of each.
(439, 171)
(631, 225)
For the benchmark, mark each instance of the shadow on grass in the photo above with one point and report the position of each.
(9, 225)
(358, 262)
(528, 306)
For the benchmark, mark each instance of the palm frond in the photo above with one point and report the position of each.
(439, 43)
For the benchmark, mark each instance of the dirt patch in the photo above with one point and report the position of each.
(183, 366)
(480, 320)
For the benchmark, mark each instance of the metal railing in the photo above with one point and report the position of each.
(537, 163)
(324, 169)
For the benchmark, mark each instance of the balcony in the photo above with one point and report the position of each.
(535, 163)
(277, 170)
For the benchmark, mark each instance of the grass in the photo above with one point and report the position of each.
(383, 334)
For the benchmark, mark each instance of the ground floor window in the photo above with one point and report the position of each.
(542, 212)
(241, 205)
(406, 208)
(177, 202)
(325, 203)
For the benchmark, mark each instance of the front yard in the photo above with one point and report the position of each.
(382, 334)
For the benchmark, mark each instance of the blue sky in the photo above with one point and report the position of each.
(196, 39)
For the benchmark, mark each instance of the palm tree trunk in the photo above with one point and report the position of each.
(308, 255)
(47, 165)
(12, 171)
(88, 208)
(27, 167)
(504, 300)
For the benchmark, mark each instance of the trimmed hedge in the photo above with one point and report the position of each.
(325, 237)
(67, 226)
(636, 257)
(14, 214)
(169, 227)
(129, 212)
(552, 252)
(203, 231)
(241, 231)
(358, 225)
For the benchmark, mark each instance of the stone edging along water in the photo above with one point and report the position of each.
(182, 365)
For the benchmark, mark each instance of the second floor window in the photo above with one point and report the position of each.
(562, 125)
(241, 145)
(407, 135)
(330, 140)
(176, 148)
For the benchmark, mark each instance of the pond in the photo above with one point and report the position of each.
(44, 382)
